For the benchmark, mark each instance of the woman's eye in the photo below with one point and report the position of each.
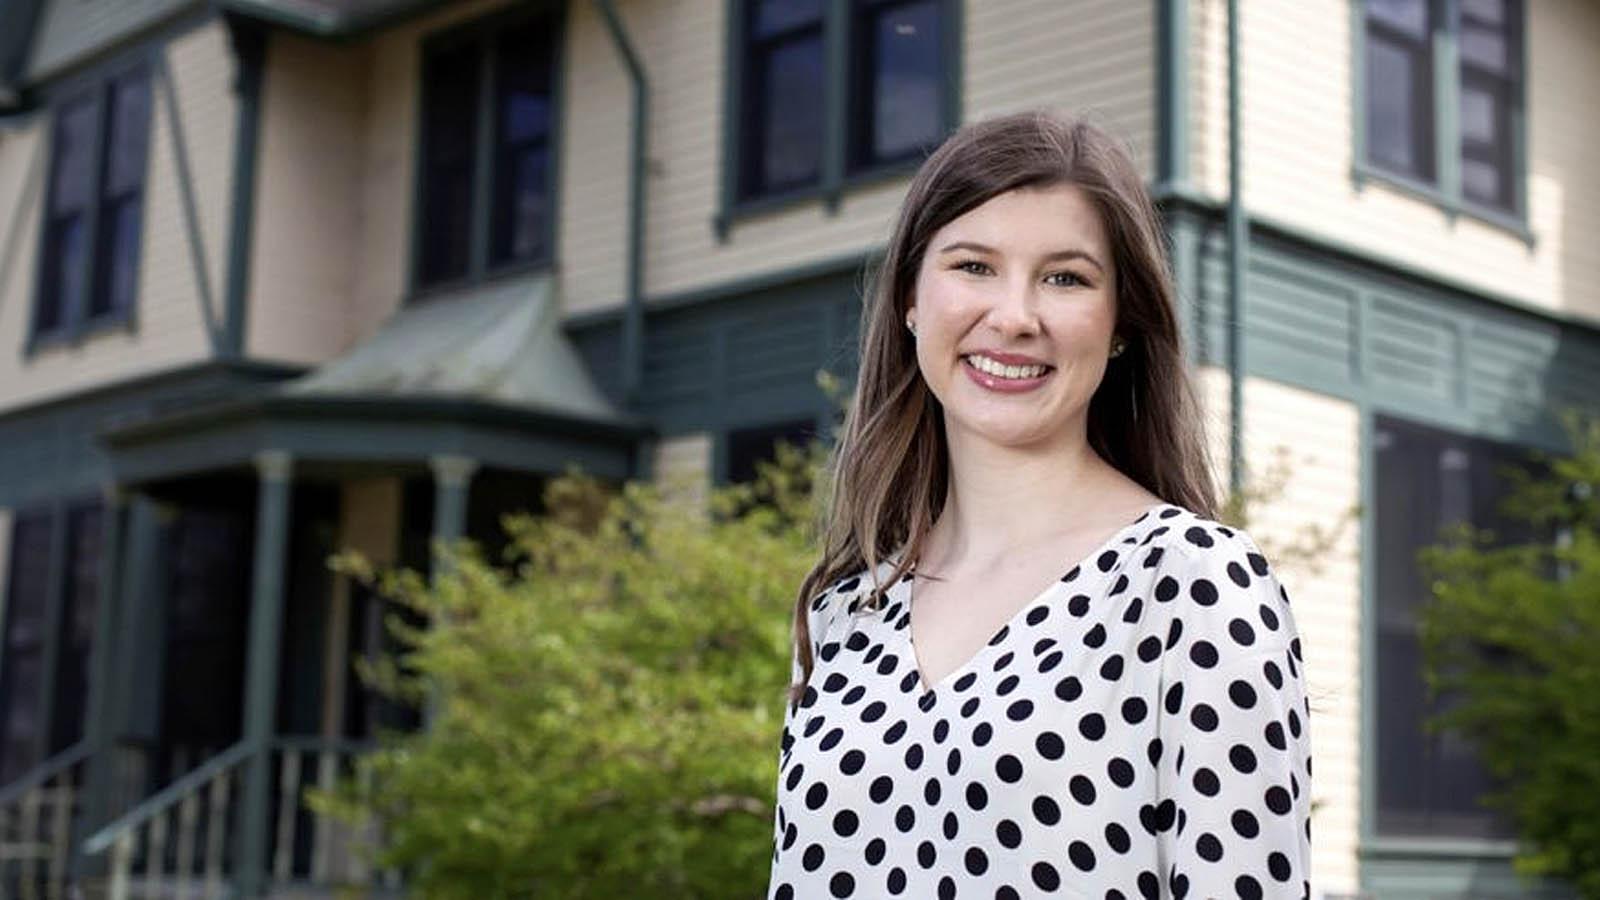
(1064, 279)
(974, 267)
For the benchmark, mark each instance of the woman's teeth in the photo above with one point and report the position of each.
(1000, 370)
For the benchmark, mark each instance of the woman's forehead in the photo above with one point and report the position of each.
(1030, 221)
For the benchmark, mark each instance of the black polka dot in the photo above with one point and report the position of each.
(1198, 536)
(852, 762)
(1078, 605)
(1277, 800)
(1207, 782)
(1111, 669)
(1092, 726)
(1245, 824)
(977, 861)
(1120, 771)
(1009, 768)
(1203, 717)
(1045, 876)
(1069, 689)
(1242, 758)
(1082, 789)
(1050, 745)
(1203, 592)
(1019, 710)
(1117, 838)
(813, 858)
(1149, 649)
(1008, 834)
(977, 796)
(1081, 855)
(1209, 848)
(1241, 632)
(882, 787)
(1247, 887)
(927, 854)
(1278, 866)
(1047, 811)
(1096, 637)
(1134, 710)
(1166, 588)
(1107, 560)
(1203, 654)
(1174, 699)
(1242, 694)
(897, 880)
(1038, 614)
(816, 796)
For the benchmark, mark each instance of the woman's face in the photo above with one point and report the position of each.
(1014, 308)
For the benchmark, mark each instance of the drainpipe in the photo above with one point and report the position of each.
(633, 315)
(1238, 249)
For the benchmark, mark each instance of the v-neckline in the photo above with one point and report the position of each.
(909, 586)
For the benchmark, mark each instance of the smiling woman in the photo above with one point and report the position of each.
(1021, 585)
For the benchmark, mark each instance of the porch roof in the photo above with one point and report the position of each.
(486, 374)
(330, 18)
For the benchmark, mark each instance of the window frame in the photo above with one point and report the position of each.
(482, 32)
(1445, 191)
(74, 321)
(841, 43)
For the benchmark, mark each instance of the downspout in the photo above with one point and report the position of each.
(250, 47)
(1238, 249)
(633, 314)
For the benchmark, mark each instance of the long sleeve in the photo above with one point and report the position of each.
(1233, 819)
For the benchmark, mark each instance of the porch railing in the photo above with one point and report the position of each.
(37, 813)
(179, 844)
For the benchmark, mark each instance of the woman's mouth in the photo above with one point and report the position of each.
(998, 376)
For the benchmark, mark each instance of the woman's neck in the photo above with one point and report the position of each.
(1005, 500)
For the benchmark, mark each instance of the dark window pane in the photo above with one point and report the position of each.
(1484, 47)
(1428, 784)
(1399, 109)
(748, 447)
(901, 113)
(523, 75)
(82, 594)
(450, 119)
(61, 279)
(116, 274)
(1409, 17)
(785, 117)
(22, 657)
(771, 17)
(74, 157)
(128, 121)
(1489, 12)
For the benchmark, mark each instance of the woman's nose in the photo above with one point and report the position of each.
(1015, 310)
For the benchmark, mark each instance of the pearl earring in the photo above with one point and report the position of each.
(911, 326)
(1117, 346)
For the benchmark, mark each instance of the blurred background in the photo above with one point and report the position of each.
(281, 278)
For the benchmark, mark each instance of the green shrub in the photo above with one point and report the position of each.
(1512, 637)
(605, 703)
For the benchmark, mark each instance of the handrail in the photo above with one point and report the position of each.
(315, 744)
(43, 772)
(167, 797)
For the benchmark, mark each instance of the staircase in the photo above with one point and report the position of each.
(182, 843)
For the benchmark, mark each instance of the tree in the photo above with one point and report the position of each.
(606, 700)
(1510, 638)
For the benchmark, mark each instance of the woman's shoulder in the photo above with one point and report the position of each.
(1217, 577)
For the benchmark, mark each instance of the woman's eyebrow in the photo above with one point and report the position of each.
(1059, 255)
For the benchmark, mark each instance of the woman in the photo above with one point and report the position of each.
(1029, 663)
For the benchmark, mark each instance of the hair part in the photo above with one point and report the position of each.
(889, 471)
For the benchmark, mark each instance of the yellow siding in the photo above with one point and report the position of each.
(595, 164)
(183, 259)
(1105, 69)
(1322, 490)
(1299, 149)
(682, 468)
(307, 224)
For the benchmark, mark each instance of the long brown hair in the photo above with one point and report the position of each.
(890, 469)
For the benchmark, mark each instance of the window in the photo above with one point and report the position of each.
(893, 79)
(1428, 784)
(487, 178)
(85, 536)
(94, 211)
(22, 659)
(1445, 121)
(750, 447)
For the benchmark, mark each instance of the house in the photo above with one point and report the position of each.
(284, 276)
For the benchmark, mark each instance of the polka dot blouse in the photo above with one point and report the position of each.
(1138, 729)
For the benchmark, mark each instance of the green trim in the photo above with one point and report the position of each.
(838, 40)
(97, 731)
(837, 177)
(1188, 199)
(1172, 92)
(1238, 262)
(250, 47)
(267, 589)
(721, 290)
(481, 31)
(633, 320)
(1446, 75)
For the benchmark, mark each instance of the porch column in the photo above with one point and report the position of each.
(261, 686)
(102, 658)
(452, 477)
